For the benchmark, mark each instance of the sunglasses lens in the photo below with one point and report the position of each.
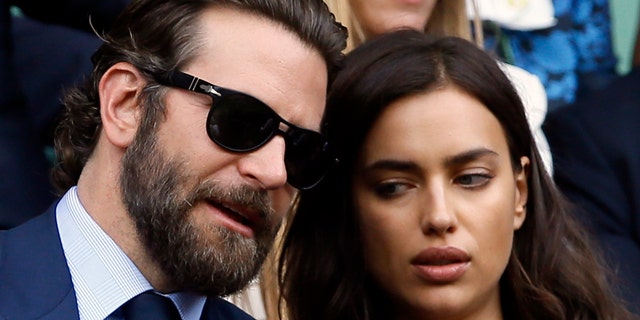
(240, 123)
(307, 158)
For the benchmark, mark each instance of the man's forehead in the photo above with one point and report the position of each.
(250, 53)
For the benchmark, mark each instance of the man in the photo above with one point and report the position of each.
(180, 158)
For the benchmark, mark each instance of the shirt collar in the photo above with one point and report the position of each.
(103, 276)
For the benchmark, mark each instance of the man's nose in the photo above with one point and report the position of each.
(265, 166)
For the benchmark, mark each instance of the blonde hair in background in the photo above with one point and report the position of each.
(275, 307)
(262, 299)
(449, 18)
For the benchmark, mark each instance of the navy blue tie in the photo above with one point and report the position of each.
(149, 305)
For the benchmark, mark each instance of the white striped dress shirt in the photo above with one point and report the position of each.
(103, 276)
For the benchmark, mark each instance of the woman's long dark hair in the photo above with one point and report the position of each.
(552, 273)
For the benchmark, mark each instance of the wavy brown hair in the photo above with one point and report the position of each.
(554, 271)
(157, 36)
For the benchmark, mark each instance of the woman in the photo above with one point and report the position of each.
(439, 207)
(366, 19)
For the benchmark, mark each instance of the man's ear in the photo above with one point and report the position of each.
(119, 89)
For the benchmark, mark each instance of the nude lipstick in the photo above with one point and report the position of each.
(441, 264)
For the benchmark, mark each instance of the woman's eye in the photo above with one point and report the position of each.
(473, 180)
(390, 189)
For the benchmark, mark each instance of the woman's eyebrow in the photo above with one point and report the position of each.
(411, 166)
(391, 165)
(468, 156)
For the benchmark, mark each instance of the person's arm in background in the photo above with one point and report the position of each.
(46, 50)
(53, 42)
(597, 165)
(636, 52)
(73, 13)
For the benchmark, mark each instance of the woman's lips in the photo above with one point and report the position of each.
(441, 264)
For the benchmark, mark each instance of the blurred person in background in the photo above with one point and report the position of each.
(43, 49)
(598, 167)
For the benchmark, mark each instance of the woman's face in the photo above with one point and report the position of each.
(438, 201)
(380, 16)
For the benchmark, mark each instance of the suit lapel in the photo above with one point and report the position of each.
(34, 270)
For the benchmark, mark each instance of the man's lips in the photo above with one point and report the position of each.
(236, 217)
(441, 264)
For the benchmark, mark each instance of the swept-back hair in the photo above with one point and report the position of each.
(552, 272)
(157, 36)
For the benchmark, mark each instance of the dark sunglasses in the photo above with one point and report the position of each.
(239, 122)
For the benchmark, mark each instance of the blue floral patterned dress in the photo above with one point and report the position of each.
(570, 58)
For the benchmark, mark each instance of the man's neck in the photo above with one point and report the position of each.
(99, 193)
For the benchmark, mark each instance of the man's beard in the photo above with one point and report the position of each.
(207, 259)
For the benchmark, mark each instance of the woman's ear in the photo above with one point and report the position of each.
(119, 89)
(522, 193)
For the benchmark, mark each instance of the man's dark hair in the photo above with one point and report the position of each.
(157, 36)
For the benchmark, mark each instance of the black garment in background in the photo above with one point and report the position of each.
(596, 154)
(36, 61)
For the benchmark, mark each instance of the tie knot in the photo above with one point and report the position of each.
(149, 305)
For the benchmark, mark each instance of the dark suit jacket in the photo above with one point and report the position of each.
(35, 282)
(596, 154)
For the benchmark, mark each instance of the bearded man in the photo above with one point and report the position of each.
(178, 160)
